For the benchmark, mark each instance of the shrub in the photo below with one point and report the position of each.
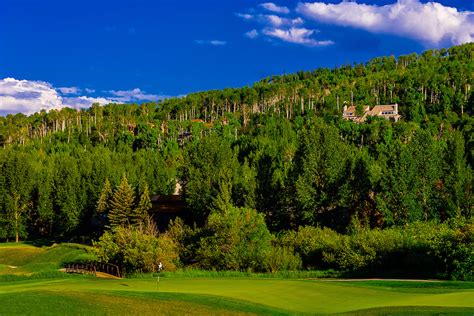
(236, 239)
(136, 249)
(419, 249)
(282, 259)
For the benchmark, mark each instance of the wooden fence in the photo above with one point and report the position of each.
(93, 268)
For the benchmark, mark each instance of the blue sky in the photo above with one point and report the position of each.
(137, 50)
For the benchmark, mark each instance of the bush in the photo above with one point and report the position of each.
(136, 249)
(282, 259)
(236, 239)
(419, 249)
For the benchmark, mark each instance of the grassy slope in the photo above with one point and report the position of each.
(27, 259)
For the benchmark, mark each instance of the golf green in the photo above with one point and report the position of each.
(228, 296)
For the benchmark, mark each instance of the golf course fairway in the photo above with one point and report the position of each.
(229, 296)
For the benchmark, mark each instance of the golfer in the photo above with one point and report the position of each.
(160, 267)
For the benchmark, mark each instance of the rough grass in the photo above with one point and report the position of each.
(23, 259)
(195, 273)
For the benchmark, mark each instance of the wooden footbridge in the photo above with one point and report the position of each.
(105, 270)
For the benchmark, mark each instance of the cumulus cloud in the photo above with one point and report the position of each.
(211, 42)
(133, 95)
(431, 22)
(270, 6)
(296, 35)
(28, 97)
(252, 34)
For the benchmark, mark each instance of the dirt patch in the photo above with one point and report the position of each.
(103, 275)
(100, 275)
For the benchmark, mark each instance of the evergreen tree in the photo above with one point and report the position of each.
(140, 213)
(121, 205)
(103, 204)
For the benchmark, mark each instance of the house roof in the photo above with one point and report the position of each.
(352, 109)
(378, 109)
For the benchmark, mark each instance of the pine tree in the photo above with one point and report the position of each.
(103, 204)
(140, 213)
(121, 205)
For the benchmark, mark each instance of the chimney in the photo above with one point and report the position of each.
(345, 108)
(396, 108)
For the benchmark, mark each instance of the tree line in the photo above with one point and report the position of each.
(277, 153)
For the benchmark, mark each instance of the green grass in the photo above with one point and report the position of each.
(195, 273)
(413, 286)
(48, 291)
(234, 295)
(24, 259)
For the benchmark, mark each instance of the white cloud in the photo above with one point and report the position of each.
(84, 102)
(271, 19)
(284, 28)
(134, 95)
(252, 34)
(276, 20)
(28, 97)
(69, 90)
(211, 42)
(297, 21)
(245, 16)
(218, 43)
(431, 22)
(270, 6)
(296, 35)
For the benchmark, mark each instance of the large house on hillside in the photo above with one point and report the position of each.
(389, 112)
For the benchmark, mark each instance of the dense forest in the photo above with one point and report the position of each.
(276, 157)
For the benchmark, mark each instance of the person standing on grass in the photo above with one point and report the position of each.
(160, 267)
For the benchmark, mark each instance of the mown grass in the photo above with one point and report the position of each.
(413, 310)
(87, 303)
(197, 292)
(428, 286)
(254, 295)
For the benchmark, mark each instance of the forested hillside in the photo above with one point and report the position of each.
(279, 147)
